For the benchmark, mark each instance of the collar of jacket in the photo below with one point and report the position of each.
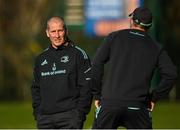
(61, 47)
(137, 31)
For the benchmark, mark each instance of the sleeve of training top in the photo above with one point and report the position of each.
(84, 83)
(168, 74)
(101, 57)
(35, 91)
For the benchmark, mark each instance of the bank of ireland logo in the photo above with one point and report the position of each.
(54, 67)
(65, 59)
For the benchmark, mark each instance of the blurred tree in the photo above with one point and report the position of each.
(171, 32)
(20, 22)
(166, 29)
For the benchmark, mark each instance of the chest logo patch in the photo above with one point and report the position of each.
(44, 62)
(65, 59)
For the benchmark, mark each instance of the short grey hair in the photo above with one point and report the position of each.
(55, 19)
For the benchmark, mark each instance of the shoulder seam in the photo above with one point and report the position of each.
(46, 49)
(82, 51)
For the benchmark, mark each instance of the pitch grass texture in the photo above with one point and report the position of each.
(15, 115)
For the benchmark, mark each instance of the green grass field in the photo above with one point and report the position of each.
(19, 115)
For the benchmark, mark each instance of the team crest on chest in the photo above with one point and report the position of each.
(65, 59)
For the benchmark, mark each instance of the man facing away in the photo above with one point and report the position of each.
(124, 99)
(61, 95)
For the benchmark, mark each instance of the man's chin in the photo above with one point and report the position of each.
(58, 43)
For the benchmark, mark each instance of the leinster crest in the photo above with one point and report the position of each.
(65, 59)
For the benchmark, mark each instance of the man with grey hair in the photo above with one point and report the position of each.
(61, 96)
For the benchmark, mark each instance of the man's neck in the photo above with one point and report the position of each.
(56, 47)
(138, 28)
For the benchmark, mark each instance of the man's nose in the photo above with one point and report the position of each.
(57, 34)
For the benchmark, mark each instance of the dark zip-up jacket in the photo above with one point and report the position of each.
(132, 58)
(61, 81)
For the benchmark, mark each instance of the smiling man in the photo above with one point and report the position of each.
(61, 88)
(56, 31)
